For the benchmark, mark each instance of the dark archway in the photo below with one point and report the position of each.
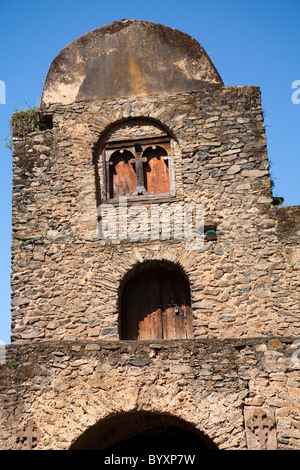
(143, 432)
(155, 303)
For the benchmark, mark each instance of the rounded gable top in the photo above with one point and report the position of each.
(128, 58)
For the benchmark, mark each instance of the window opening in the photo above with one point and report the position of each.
(139, 167)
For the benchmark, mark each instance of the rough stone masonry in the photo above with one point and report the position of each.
(70, 380)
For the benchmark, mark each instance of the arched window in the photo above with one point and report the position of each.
(156, 304)
(141, 167)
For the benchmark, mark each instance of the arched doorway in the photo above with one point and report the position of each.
(144, 432)
(156, 304)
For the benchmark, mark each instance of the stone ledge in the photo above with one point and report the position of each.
(39, 347)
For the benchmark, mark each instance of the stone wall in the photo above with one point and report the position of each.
(61, 391)
(66, 280)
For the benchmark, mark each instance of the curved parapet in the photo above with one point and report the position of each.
(128, 58)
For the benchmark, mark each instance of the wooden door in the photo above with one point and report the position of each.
(156, 305)
(176, 313)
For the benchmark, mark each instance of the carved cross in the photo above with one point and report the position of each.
(261, 425)
(28, 436)
(139, 170)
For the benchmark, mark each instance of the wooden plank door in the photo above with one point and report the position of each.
(149, 316)
(140, 319)
(177, 315)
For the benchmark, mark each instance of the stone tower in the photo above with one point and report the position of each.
(155, 285)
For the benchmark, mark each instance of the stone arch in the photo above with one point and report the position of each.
(154, 302)
(138, 116)
(141, 118)
(144, 430)
(146, 263)
(124, 265)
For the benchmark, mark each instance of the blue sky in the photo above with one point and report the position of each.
(253, 42)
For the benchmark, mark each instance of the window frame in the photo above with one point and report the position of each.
(132, 145)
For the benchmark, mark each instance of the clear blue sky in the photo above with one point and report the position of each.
(251, 42)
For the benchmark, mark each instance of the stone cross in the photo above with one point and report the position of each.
(28, 436)
(260, 430)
